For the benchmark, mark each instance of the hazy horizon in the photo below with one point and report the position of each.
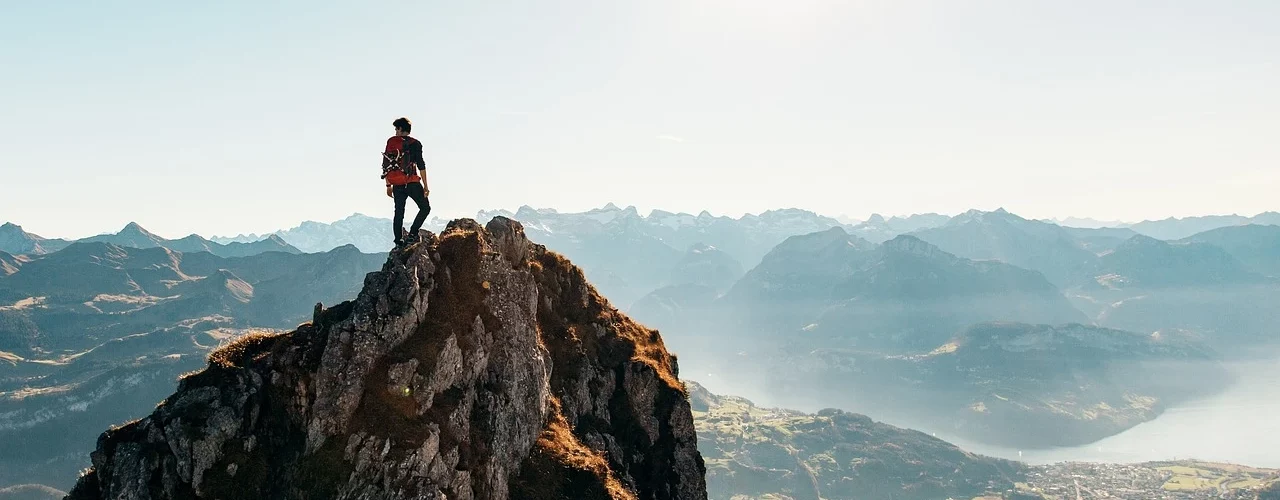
(644, 213)
(243, 117)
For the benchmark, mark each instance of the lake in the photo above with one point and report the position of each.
(1241, 425)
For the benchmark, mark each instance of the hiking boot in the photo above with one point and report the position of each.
(412, 237)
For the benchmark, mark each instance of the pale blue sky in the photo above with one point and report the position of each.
(244, 116)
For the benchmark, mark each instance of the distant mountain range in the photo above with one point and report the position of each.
(89, 293)
(95, 334)
(1068, 255)
(913, 296)
(746, 238)
(1052, 250)
(649, 261)
(879, 229)
(992, 326)
(369, 234)
(877, 329)
(1174, 228)
(14, 240)
(1190, 286)
(1146, 262)
(794, 281)
(1255, 246)
(834, 289)
(1087, 223)
(628, 255)
(833, 317)
(134, 236)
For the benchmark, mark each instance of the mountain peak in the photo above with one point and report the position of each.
(981, 217)
(526, 212)
(11, 231)
(915, 246)
(787, 212)
(460, 371)
(1142, 241)
(834, 242)
(133, 228)
(971, 215)
(17, 241)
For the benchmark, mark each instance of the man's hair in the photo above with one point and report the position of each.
(402, 123)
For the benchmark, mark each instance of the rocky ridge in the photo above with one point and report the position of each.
(475, 364)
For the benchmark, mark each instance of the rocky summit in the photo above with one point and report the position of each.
(474, 365)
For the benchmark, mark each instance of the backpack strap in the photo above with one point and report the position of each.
(407, 149)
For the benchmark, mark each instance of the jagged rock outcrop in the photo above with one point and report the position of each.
(474, 365)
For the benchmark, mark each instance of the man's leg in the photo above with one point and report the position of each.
(424, 207)
(397, 222)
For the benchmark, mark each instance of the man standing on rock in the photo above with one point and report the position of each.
(405, 173)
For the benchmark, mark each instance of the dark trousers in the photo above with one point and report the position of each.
(400, 194)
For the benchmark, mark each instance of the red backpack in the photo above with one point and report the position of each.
(399, 158)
